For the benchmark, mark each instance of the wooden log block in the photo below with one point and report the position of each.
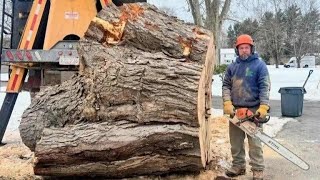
(138, 106)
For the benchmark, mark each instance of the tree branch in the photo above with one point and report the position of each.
(232, 19)
(195, 10)
(225, 9)
(208, 5)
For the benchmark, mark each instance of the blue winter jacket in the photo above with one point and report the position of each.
(246, 82)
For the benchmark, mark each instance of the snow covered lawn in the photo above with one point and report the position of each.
(285, 77)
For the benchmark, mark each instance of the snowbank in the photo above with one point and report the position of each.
(4, 77)
(23, 101)
(285, 77)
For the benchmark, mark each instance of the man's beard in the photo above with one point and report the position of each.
(244, 56)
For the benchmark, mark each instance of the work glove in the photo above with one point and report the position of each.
(262, 111)
(228, 108)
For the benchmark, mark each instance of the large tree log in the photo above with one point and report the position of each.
(137, 107)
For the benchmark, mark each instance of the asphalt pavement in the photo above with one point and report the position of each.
(301, 136)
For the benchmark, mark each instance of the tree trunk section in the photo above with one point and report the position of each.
(138, 106)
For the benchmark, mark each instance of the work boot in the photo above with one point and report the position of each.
(257, 175)
(235, 171)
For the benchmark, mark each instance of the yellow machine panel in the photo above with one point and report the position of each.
(68, 17)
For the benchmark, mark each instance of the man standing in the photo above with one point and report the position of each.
(246, 84)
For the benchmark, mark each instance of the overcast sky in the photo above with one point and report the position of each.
(181, 10)
(239, 10)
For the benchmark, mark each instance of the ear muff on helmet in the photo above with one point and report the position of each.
(253, 49)
(236, 51)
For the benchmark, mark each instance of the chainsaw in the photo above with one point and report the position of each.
(250, 123)
(244, 114)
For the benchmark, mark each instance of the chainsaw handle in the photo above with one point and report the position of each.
(260, 120)
(232, 116)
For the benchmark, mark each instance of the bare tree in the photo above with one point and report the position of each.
(286, 27)
(195, 10)
(305, 33)
(210, 14)
(302, 26)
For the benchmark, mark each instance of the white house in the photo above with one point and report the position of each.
(227, 56)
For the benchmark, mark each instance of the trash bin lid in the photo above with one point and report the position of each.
(292, 90)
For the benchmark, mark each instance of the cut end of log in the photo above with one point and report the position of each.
(204, 101)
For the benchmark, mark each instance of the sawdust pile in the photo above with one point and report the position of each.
(15, 158)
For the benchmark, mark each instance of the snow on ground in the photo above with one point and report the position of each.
(3, 77)
(285, 77)
(23, 101)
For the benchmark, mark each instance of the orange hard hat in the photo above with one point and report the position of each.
(244, 39)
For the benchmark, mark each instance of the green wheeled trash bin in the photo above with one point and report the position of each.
(292, 101)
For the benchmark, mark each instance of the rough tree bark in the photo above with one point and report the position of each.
(138, 106)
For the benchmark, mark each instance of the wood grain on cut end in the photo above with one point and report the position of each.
(203, 97)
